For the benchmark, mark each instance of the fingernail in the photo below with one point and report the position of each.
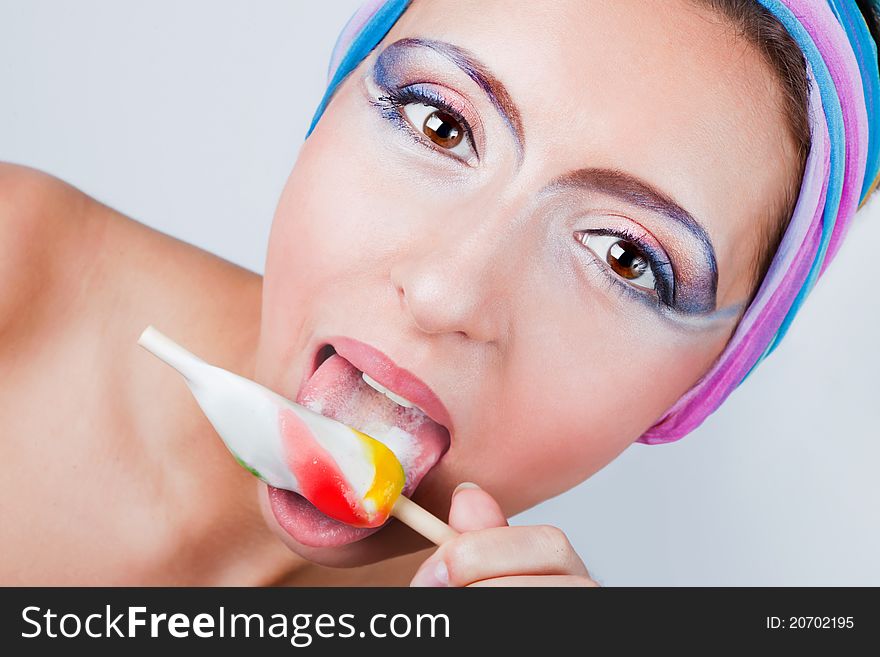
(432, 573)
(463, 485)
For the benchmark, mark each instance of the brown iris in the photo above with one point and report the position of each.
(627, 260)
(443, 129)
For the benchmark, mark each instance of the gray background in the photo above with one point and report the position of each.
(188, 117)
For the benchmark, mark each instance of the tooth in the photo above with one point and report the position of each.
(397, 399)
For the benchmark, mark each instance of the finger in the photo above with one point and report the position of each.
(535, 581)
(473, 508)
(506, 551)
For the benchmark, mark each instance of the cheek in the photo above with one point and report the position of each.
(312, 228)
(569, 406)
(341, 208)
(570, 396)
(320, 232)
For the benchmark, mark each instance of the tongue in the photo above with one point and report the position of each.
(337, 390)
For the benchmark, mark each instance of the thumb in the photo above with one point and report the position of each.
(473, 508)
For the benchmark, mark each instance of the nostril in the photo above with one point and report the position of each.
(397, 282)
(401, 294)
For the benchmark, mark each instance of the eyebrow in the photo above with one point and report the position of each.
(479, 73)
(614, 182)
(642, 194)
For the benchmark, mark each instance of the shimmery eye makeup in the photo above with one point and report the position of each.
(670, 293)
(411, 78)
(691, 254)
(392, 104)
(659, 264)
(417, 57)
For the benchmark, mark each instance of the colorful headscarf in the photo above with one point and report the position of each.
(842, 169)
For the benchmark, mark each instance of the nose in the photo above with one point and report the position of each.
(452, 283)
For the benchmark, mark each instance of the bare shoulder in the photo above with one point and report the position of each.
(29, 202)
(80, 282)
(36, 210)
(65, 255)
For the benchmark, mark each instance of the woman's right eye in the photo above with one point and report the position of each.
(630, 264)
(441, 128)
(624, 258)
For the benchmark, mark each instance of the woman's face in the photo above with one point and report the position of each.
(546, 213)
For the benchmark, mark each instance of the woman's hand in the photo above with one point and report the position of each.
(490, 553)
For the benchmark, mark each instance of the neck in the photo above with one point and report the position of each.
(212, 530)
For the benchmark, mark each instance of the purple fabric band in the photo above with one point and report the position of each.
(842, 68)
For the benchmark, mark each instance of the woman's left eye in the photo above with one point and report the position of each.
(440, 127)
(625, 259)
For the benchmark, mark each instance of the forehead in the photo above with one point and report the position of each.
(663, 89)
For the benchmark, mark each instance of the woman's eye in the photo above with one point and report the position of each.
(624, 258)
(443, 129)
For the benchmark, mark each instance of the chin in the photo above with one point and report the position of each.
(357, 384)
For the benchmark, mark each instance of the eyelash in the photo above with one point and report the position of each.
(663, 295)
(391, 106)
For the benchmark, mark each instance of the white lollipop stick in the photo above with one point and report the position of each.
(246, 417)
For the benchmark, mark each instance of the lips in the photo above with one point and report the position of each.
(418, 436)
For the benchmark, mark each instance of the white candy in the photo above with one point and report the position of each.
(246, 415)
